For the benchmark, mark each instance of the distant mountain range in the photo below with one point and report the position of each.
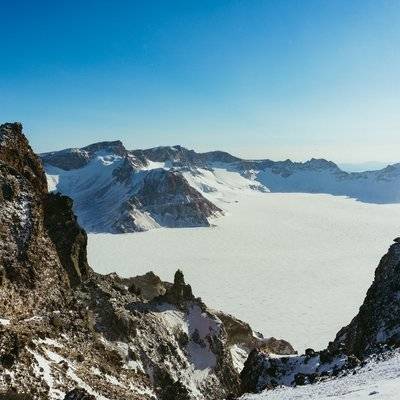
(119, 190)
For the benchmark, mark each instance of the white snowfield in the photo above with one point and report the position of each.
(4, 321)
(377, 380)
(97, 196)
(295, 266)
(320, 176)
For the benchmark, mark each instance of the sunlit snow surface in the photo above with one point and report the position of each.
(377, 380)
(295, 266)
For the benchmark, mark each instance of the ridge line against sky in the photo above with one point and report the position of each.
(277, 79)
(349, 167)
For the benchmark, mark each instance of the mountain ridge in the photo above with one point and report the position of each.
(159, 153)
(106, 176)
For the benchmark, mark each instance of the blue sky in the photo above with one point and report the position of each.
(278, 79)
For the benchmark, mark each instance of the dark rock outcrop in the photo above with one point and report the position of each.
(27, 263)
(179, 293)
(263, 371)
(179, 156)
(378, 320)
(68, 237)
(79, 394)
(240, 332)
(148, 286)
(15, 396)
(173, 202)
(16, 153)
(167, 199)
(69, 159)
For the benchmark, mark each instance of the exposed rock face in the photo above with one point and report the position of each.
(378, 320)
(79, 394)
(28, 265)
(115, 190)
(16, 153)
(179, 293)
(69, 238)
(166, 198)
(69, 159)
(263, 371)
(240, 332)
(15, 396)
(179, 156)
(148, 286)
(62, 326)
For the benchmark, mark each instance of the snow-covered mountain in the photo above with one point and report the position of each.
(313, 176)
(117, 190)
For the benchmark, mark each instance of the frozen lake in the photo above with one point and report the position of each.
(295, 266)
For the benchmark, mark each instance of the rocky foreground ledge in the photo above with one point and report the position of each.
(69, 333)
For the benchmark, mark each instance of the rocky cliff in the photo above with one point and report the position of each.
(70, 159)
(69, 333)
(164, 198)
(29, 266)
(178, 156)
(377, 323)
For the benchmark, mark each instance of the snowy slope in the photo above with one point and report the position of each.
(320, 177)
(114, 189)
(222, 186)
(95, 206)
(376, 380)
(313, 176)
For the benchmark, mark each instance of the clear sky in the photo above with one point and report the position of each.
(273, 78)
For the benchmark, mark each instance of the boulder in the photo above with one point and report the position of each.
(79, 394)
